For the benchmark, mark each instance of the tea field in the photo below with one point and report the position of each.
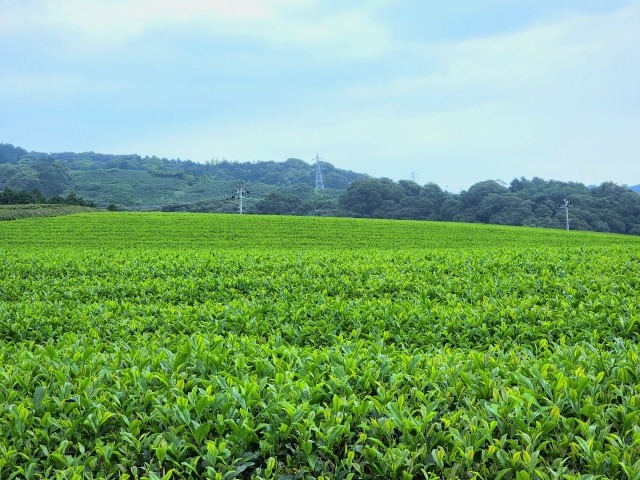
(147, 345)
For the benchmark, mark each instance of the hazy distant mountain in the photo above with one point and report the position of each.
(635, 188)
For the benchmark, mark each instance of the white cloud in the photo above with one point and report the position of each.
(53, 85)
(269, 79)
(540, 102)
(342, 32)
(542, 58)
(534, 99)
(129, 17)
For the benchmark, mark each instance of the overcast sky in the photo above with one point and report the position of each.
(452, 92)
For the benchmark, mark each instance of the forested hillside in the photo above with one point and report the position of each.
(150, 183)
(537, 202)
(132, 182)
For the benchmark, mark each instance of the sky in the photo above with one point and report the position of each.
(451, 92)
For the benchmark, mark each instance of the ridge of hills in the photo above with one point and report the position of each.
(133, 182)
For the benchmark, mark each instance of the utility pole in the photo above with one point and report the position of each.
(239, 194)
(566, 205)
(413, 177)
(319, 180)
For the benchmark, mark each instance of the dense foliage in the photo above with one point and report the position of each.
(19, 211)
(191, 346)
(131, 182)
(606, 208)
(137, 182)
(23, 197)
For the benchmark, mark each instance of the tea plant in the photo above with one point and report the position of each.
(156, 346)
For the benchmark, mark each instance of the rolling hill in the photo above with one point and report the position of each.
(133, 182)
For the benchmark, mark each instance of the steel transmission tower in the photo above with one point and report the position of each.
(319, 180)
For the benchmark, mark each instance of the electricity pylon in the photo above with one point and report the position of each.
(319, 180)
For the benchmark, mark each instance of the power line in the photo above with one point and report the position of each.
(282, 181)
(241, 193)
(258, 188)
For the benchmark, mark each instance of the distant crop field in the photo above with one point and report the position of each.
(146, 345)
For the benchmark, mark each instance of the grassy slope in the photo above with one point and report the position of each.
(250, 232)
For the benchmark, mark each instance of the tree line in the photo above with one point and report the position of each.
(538, 203)
(9, 196)
(286, 188)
